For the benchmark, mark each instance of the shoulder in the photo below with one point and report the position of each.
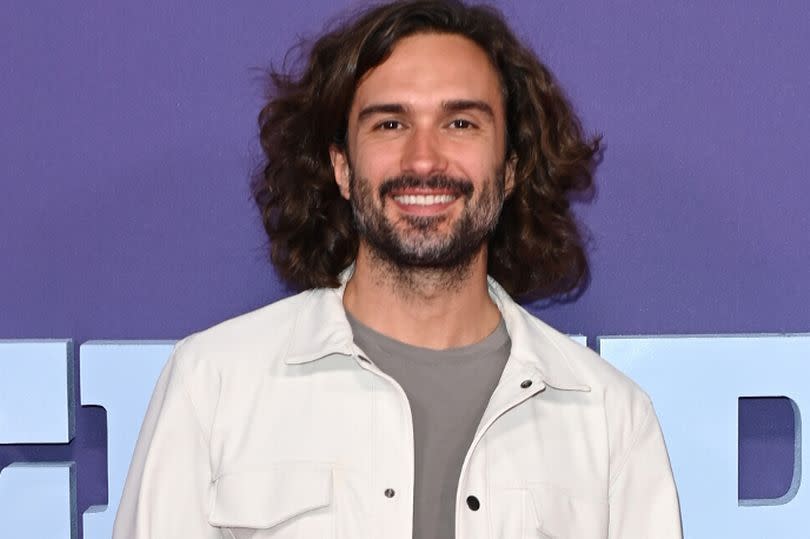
(256, 339)
(561, 358)
(263, 329)
(588, 366)
(625, 405)
(233, 356)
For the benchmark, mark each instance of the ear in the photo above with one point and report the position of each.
(340, 165)
(509, 175)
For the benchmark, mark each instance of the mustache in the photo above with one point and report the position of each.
(461, 186)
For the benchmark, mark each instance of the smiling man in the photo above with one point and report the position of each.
(418, 176)
(424, 167)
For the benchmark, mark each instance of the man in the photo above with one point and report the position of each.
(405, 394)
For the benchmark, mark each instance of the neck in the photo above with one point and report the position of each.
(426, 307)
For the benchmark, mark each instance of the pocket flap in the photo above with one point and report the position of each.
(560, 515)
(265, 498)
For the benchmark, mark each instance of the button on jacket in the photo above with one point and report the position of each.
(275, 425)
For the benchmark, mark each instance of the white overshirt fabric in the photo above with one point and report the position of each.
(273, 425)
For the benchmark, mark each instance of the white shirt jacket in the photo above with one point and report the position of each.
(274, 425)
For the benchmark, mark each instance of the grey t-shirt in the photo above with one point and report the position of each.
(448, 391)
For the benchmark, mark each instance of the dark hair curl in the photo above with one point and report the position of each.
(537, 249)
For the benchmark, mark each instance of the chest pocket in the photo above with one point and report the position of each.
(558, 515)
(285, 501)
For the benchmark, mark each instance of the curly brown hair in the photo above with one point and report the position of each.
(537, 249)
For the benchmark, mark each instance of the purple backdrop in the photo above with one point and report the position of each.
(128, 134)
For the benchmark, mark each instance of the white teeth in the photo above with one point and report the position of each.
(424, 200)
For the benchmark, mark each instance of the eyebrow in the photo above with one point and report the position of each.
(381, 108)
(455, 105)
(462, 105)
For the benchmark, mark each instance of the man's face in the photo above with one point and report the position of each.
(426, 172)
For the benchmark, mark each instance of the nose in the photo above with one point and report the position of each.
(422, 154)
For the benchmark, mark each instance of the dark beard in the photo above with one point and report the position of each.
(413, 242)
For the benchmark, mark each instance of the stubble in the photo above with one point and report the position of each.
(418, 254)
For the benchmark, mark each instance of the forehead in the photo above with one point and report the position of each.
(431, 68)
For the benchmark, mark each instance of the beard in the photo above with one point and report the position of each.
(416, 242)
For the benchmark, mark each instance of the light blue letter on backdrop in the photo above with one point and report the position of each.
(37, 500)
(695, 383)
(120, 377)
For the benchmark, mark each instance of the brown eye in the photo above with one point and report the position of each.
(461, 124)
(388, 125)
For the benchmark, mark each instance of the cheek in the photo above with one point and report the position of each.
(479, 166)
(376, 163)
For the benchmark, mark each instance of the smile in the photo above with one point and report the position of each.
(424, 200)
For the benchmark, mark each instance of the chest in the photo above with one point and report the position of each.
(327, 450)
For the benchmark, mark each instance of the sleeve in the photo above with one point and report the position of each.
(643, 498)
(166, 494)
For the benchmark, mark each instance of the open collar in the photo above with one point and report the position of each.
(322, 329)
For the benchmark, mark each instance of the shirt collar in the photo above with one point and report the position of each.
(321, 329)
